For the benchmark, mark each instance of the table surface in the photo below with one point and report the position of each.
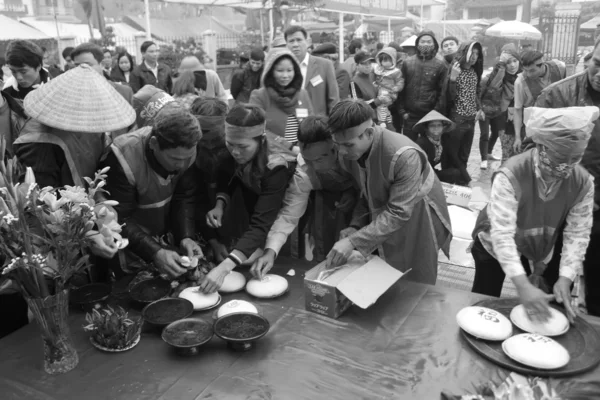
(406, 346)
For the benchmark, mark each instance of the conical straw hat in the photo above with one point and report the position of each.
(433, 115)
(80, 100)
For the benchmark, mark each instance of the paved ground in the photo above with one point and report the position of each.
(458, 272)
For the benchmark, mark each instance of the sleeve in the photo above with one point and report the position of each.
(125, 193)
(135, 80)
(343, 82)
(237, 83)
(219, 89)
(294, 206)
(401, 96)
(169, 82)
(441, 104)
(502, 211)
(576, 235)
(274, 184)
(402, 200)
(47, 162)
(183, 206)
(398, 84)
(519, 93)
(226, 183)
(333, 94)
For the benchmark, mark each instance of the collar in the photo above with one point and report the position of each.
(155, 165)
(150, 68)
(12, 81)
(305, 61)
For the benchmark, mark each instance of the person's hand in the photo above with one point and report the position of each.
(214, 218)
(263, 264)
(214, 279)
(406, 116)
(101, 247)
(504, 58)
(562, 294)
(480, 116)
(347, 201)
(517, 144)
(340, 253)
(455, 71)
(169, 263)
(191, 248)
(344, 233)
(219, 250)
(533, 299)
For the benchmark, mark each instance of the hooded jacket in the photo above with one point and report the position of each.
(389, 81)
(424, 79)
(450, 89)
(276, 116)
(497, 89)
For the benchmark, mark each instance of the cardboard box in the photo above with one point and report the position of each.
(457, 195)
(361, 282)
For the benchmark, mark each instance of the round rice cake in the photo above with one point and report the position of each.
(558, 323)
(536, 351)
(200, 300)
(233, 282)
(269, 286)
(236, 306)
(484, 323)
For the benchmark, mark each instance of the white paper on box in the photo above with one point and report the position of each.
(366, 284)
(457, 195)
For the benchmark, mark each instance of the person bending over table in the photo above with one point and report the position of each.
(318, 169)
(150, 178)
(262, 177)
(402, 213)
(533, 195)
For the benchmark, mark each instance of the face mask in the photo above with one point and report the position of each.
(426, 49)
(559, 171)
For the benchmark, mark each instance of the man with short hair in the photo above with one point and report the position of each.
(583, 89)
(537, 74)
(318, 170)
(424, 77)
(449, 48)
(402, 213)
(318, 73)
(349, 65)
(329, 51)
(107, 61)
(91, 54)
(66, 55)
(247, 78)
(25, 60)
(148, 178)
(53, 69)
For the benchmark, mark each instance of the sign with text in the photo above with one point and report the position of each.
(457, 195)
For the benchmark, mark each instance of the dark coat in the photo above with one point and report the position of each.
(142, 76)
(243, 82)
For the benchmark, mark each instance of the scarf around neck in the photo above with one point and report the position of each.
(285, 98)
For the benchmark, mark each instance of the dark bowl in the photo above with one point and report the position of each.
(164, 311)
(89, 297)
(187, 335)
(241, 330)
(145, 292)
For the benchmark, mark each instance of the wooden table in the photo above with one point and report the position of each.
(406, 346)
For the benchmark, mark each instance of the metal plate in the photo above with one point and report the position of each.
(581, 341)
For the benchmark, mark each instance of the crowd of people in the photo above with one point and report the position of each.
(350, 153)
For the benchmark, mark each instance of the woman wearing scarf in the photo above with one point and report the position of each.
(497, 101)
(282, 97)
(261, 175)
(533, 196)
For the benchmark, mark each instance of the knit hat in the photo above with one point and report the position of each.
(564, 132)
(511, 49)
(363, 56)
(325, 48)
(80, 100)
(257, 54)
(147, 102)
(244, 56)
(278, 42)
(453, 38)
(433, 115)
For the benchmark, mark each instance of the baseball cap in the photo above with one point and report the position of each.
(362, 56)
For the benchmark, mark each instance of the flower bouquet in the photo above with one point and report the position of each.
(44, 239)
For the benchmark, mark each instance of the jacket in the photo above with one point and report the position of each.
(116, 75)
(574, 92)
(321, 85)
(450, 89)
(277, 117)
(15, 114)
(214, 86)
(142, 76)
(403, 212)
(12, 88)
(429, 149)
(424, 79)
(343, 81)
(243, 82)
(389, 82)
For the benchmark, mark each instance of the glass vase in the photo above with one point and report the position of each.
(51, 314)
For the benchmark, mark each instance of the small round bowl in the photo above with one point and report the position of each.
(241, 330)
(89, 297)
(165, 311)
(145, 292)
(187, 335)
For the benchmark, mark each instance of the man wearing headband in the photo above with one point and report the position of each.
(533, 195)
(402, 213)
(579, 90)
(318, 169)
(148, 177)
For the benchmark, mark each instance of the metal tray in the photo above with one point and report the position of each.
(581, 341)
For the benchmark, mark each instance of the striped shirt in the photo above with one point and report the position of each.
(291, 129)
